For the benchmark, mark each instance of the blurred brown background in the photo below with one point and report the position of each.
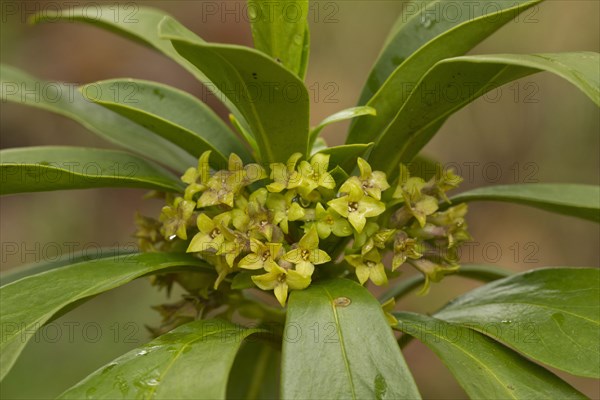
(540, 129)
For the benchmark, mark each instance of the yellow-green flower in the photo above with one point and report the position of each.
(378, 240)
(175, 218)
(328, 222)
(307, 254)
(452, 222)
(197, 178)
(444, 181)
(280, 280)
(405, 247)
(210, 238)
(262, 256)
(412, 191)
(235, 243)
(314, 175)
(284, 209)
(224, 185)
(261, 221)
(373, 183)
(285, 176)
(355, 205)
(368, 266)
(360, 239)
(432, 271)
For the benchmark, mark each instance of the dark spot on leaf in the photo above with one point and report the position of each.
(158, 93)
(342, 302)
(255, 75)
(510, 387)
(380, 387)
(278, 60)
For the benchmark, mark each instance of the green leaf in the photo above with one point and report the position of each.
(339, 175)
(255, 372)
(44, 168)
(345, 156)
(171, 113)
(190, 362)
(338, 344)
(279, 30)
(581, 201)
(305, 52)
(484, 273)
(550, 315)
(423, 167)
(23, 271)
(64, 99)
(243, 280)
(273, 100)
(29, 303)
(136, 23)
(458, 81)
(343, 115)
(425, 33)
(484, 368)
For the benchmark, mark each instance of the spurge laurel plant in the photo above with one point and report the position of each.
(262, 209)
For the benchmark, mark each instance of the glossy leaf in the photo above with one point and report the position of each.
(134, 22)
(345, 156)
(190, 362)
(255, 372)
(273, 100)
(457, 82)
(338, 344)
(31, 302)
(39, 169)
(484, 368)
(23, 271)
(66, 100)
(581, 201)
(550, 315)
(425, 33)
(279, 30)
(339, 116)
(171, 113)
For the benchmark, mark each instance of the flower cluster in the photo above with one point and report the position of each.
(279, 229)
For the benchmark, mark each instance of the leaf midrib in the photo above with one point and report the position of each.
(341, 340)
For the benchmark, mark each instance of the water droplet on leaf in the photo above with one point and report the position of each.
(426, 22)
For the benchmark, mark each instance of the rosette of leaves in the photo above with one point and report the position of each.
(270, 205)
